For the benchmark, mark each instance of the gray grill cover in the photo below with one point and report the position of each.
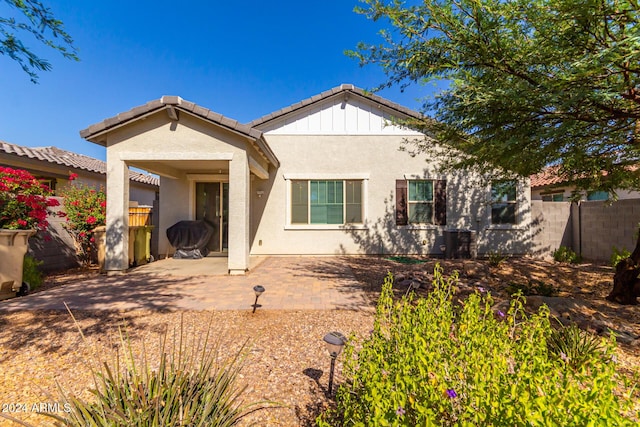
(190, 238)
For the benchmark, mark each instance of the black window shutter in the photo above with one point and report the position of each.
(402, 216)
(440, 198)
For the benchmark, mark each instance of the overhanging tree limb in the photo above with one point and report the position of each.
(31, 18)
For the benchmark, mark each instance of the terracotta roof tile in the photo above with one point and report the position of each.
(72, 160)
(549, 176)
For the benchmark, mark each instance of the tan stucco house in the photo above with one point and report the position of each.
(324, 176)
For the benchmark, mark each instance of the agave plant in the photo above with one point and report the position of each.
(187, 388)
(573, 345)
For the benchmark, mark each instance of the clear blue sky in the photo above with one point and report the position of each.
(241, 59)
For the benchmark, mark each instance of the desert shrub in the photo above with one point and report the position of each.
(432, 362)
(187, 387)
(574, 346)
(31, 273)
(618, 255)
(544, 289)
(565, 254)
(496, 258)
(534, 287)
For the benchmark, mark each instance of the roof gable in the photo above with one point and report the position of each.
(174, 107)
(341, 110)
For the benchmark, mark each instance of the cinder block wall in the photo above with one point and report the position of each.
(603, 226)
(552, 226)
(591, 228)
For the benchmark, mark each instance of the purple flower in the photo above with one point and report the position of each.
(500, 313)
(481, 289)
(452, 393)
(400, 411)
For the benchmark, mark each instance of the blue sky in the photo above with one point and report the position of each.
(241, 59)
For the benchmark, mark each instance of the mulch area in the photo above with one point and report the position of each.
(286, 359)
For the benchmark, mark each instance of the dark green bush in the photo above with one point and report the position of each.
(534, 287)
(496, 258)
(31, 272)
(432, 362)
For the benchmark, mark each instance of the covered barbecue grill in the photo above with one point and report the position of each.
(190, 238)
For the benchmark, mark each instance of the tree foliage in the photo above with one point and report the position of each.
(32, 19)
(531, 82)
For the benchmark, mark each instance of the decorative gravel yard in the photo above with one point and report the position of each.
(286, 360)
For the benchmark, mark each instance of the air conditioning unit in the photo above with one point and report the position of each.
(460, 244)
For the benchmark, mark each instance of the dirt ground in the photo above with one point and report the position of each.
(286, 362)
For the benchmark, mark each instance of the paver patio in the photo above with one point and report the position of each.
(291, 283)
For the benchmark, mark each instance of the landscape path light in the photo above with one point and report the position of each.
(258, 291)
(335, 342)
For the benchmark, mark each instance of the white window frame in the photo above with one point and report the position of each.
(516, 202)
(415, 202)
(327, 177)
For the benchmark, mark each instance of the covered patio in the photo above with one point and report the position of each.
(206, 163)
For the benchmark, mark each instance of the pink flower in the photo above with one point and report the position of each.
(72, 176)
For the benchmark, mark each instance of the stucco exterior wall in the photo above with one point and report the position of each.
(189, 150)
(377, 160)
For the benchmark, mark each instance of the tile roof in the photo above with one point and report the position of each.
(171, 104)
(167, 102)
(548, 176)
(72, 160)
(344, 88)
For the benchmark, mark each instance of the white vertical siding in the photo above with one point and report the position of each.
(338, 117)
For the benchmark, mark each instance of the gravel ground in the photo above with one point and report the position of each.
(286, 360)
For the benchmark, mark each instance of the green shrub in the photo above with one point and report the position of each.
(618, 255)
(31, 273)
(564, 254)
(534, 287)
(496, 258)
(432, 362)
(187, 388)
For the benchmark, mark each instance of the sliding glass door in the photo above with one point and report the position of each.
(212, 205)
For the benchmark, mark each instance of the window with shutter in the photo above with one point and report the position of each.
(421, 202)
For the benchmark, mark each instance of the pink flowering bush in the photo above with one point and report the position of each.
(24, 200)
(85, 209)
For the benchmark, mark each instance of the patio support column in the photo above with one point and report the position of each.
(239, 186)
(117, 237)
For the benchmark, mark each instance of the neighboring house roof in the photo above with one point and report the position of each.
(344, 88)
(173, 105)
(72, 160)
(548, 177)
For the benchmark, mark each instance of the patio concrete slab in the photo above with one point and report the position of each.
(291, 283)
